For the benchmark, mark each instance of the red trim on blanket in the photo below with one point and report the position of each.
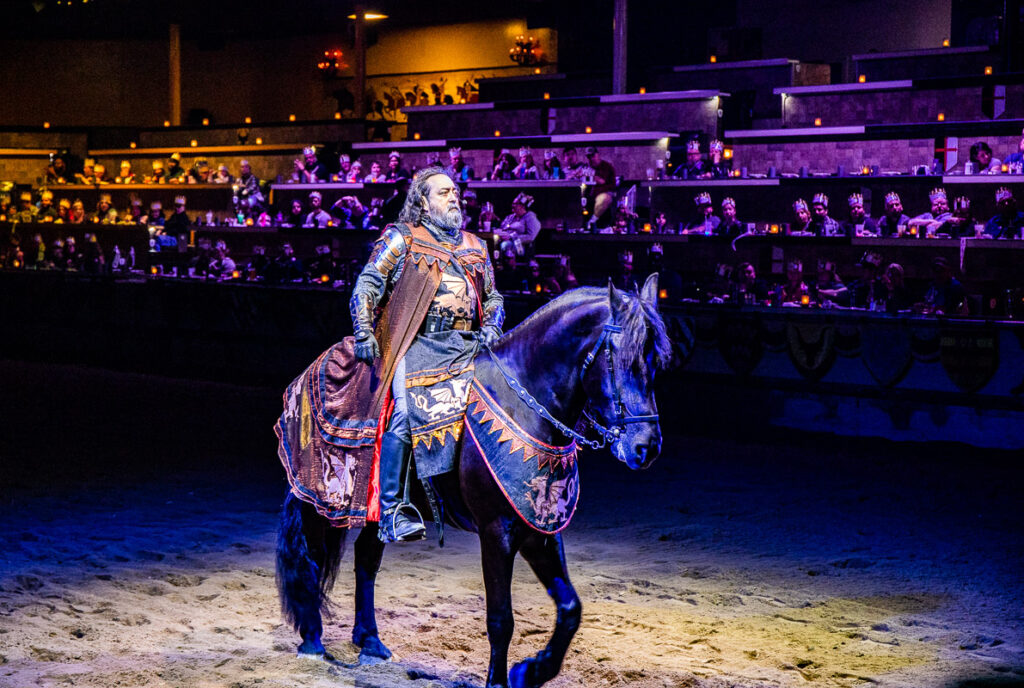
(373, 493)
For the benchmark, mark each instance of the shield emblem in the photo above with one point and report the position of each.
(811, 348)
(848, 339)
(924, 344)
(739, 343)
(885, 352)
(773, 334)
(970, 358)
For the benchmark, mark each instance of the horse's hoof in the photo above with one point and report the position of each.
(324, 656)
(373, 649)
(517, 676)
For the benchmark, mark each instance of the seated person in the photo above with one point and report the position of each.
(26, 211)
(349, 212)
(718, 167)
(748, 288)
(47, 211)
(894, 217)
(159, 175)
(308, 168)
(1009, 221)
(296, 216)
(859, 224)
(1015, 161)
(222, 175)
(894, 292)
(376, 175)
(573, 167)
(125, 175)
(155, 216)
(355, 173)
(984, 163)
(821, 224)
(317, 216)
(929, 223)
(395, 171)
(522, 222)
(56, 171)
(175, 172)
(795, 288)
(730, 227)
(708, 222)
(457, 168)
(88, 173)
(374, 217)
(105, 212)
(526, 168)
(695, 166)
(867, 290)
(200, 172)
(802, 219)
(552, 168)
(179, 221)
(661, 225)
(960, 222)
(828, 288)
(100, 174)
(624, 223)
(946, 295)
(344, 167)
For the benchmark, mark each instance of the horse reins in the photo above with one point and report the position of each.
(608, 434)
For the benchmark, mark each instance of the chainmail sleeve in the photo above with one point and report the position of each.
(384, 267)
(492, 302)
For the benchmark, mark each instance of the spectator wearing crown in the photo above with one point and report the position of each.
(200, 172)
(828, 288)
(88, 173)
(1015, 161)
(344, 165)
(317, 216)
(695, 165)
(26, 211)
(222, 175)
(552, 167)
(801, 225)
(929, 223)
(355, 173)
(731, 228)
(100, 174)
(178, 222)
(47, 213)
(376, 175)
(718, 166)
(155, 216)
(125, 174)
(868, 290)
(984, 163)
(133, 215)
(309, 169)
(894, 217)
(159, 173)
(795, 288)
(1008, 221)
(604, 185)
(960, 222)
(175, 172)
(527, 168)
(860, 223)
(521, 223)
(457, 168)
(821, 223)
(707, 222)
(395, 171)
(105, 212)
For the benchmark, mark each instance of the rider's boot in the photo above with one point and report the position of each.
(395, 525)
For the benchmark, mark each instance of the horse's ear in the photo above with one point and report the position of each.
(614, 297)
(650, 291)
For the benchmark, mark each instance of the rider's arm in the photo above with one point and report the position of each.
(384, 265)
(492, 302)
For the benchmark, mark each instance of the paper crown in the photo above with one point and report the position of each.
(524, 151)
(728, 201)
(179, 200)
(936, 194)
(523, 198)
(626, 257)
(47, 194)
(158, 165)
(1003, 194)
(316, 195)
(176, 156)
(799, 204)
(855, 199)
(309, 150)
(656, 248)
(106, 198)
(961, 203)
(394, 154)
(26, 196)
(693, 146)
(825, 264)
(892, 197)
(550, 154)
(125, 163)
(156, 205)
(99, 169)
(820, 199)
(344, 158)
(795, 265)
(455, 151)
(716, 145)
(703, 198)
(89, 162)
(871, 258)
(64, 203)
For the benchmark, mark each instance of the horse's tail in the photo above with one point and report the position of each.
(309, 551)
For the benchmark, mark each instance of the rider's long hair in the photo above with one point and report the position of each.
(413, 211)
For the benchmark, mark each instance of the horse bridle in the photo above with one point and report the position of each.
(613, 430)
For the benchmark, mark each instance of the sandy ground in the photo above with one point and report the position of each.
(137, 542)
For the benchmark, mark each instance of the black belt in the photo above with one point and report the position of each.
(439, 323)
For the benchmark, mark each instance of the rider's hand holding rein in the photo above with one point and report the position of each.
(367, 349)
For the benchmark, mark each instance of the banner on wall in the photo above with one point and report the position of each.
(739, 343)
(885, 352)
(811, 348)
(970, 358)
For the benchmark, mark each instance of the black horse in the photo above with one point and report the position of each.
(590, 348)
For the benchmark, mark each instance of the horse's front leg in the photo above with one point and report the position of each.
(368, 553)
(546, 557)
(498, 554)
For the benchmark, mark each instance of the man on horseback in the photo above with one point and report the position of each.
(424, 337)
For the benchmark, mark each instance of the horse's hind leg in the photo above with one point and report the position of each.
(308, 553)
(546, 557)
(368, 553)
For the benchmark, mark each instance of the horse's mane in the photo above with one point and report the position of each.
(639, 320)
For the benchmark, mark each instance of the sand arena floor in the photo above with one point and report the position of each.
(137, 543)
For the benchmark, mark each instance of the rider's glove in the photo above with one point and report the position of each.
(367, 350)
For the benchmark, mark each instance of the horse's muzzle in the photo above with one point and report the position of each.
(644, 455)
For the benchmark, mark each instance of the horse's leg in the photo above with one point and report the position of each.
(498, 554)
(546, 557)
(308, 553)
(368, 552)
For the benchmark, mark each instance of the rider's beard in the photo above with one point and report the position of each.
(450, 220)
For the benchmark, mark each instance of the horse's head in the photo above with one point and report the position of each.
(620, 382)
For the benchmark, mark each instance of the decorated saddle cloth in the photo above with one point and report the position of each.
(540, 481)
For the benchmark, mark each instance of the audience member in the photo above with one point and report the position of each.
(895, 293)
(707, 223)
(946, 295)
(670, 282)
(155, 217)
(393, 206)
(100, 174)
(248, 184)
(730, 227)
(793, 291)
(105, 212)
(860, 223)
(308, 169)
(133, 215)
(159, 173)
(828, 288)
(984, 163)
(604, 185)
(92, 260)
(56, 171)
(178, 222)
(960, 222)
(77, 216)
(88, 173)
(695, 166)
(822, 224)
(719, 167)
(344, 167)
(749, 289)
(125, 174)
(624, 277)
(222, 265)
(296, 216)
(287, 267)
(200, 172)
(317, 217)
(395, 171)
(470, 211)
(175, 172)
(26, 211)
(63, 211)
(355, 173)
(573, 167)
(1008, 221)
(1015, 161)
(894, 218)
(929, 223)
(222, 175)
(373, 218)
(325, 268)
(552, 166)
(457, 168)
(661, 225)
(376, 175)
(503, 167)
(258, 265)
(521, 223)
(801, 225)
(349, 212)
(867, 290)
(526, 168)
(47, 213)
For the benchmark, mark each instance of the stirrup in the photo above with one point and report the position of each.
(387, 531)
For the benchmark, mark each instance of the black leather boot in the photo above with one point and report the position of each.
(396, 525)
